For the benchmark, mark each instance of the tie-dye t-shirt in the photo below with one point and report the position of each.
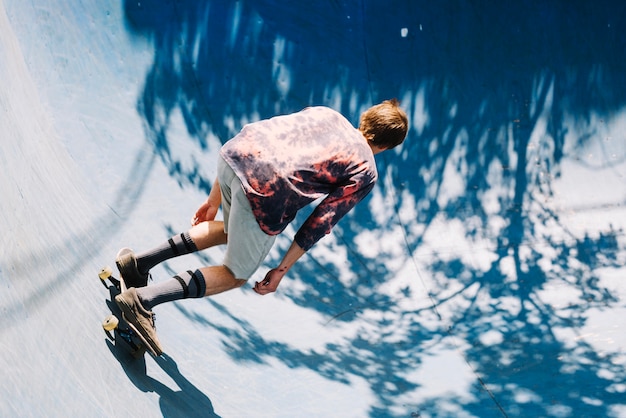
(286, 162)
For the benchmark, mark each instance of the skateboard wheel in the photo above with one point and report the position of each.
(110, 323)
(105, 273)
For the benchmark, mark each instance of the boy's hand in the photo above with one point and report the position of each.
(209, 208)
(270, 283)
(206, 212)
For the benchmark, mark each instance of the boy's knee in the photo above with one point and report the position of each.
(240, 282)
(235, 281)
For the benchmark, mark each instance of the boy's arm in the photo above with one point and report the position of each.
(275, 275)
(209, 208)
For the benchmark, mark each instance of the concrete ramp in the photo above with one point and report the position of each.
(483, 277)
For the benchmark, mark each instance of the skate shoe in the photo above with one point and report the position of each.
(127, 266)
(139, 319)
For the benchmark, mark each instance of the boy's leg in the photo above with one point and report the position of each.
(137, 304)
(206, 281)
(208, 234)
(134, 268)
(198, 238)
(177, 245)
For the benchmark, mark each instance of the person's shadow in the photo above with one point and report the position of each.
(188, 401)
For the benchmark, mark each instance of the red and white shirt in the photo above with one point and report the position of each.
(286, 162)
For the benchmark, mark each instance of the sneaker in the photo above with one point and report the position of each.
(139, 319)
(127, 266)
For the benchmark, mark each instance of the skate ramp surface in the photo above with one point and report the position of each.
(483, 277)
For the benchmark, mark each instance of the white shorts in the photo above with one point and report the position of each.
(247, 244)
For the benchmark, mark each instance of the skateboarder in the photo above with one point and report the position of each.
(265, 174)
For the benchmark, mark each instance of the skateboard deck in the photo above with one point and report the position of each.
(115, 325)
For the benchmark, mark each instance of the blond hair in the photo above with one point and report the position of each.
(384, 125)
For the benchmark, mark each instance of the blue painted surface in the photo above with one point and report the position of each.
(482, 278)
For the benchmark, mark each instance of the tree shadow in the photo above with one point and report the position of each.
(498, 94)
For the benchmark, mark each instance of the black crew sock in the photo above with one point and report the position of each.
(182, 286)
(177, 245)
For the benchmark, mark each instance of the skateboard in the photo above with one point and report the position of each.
(115, 325)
